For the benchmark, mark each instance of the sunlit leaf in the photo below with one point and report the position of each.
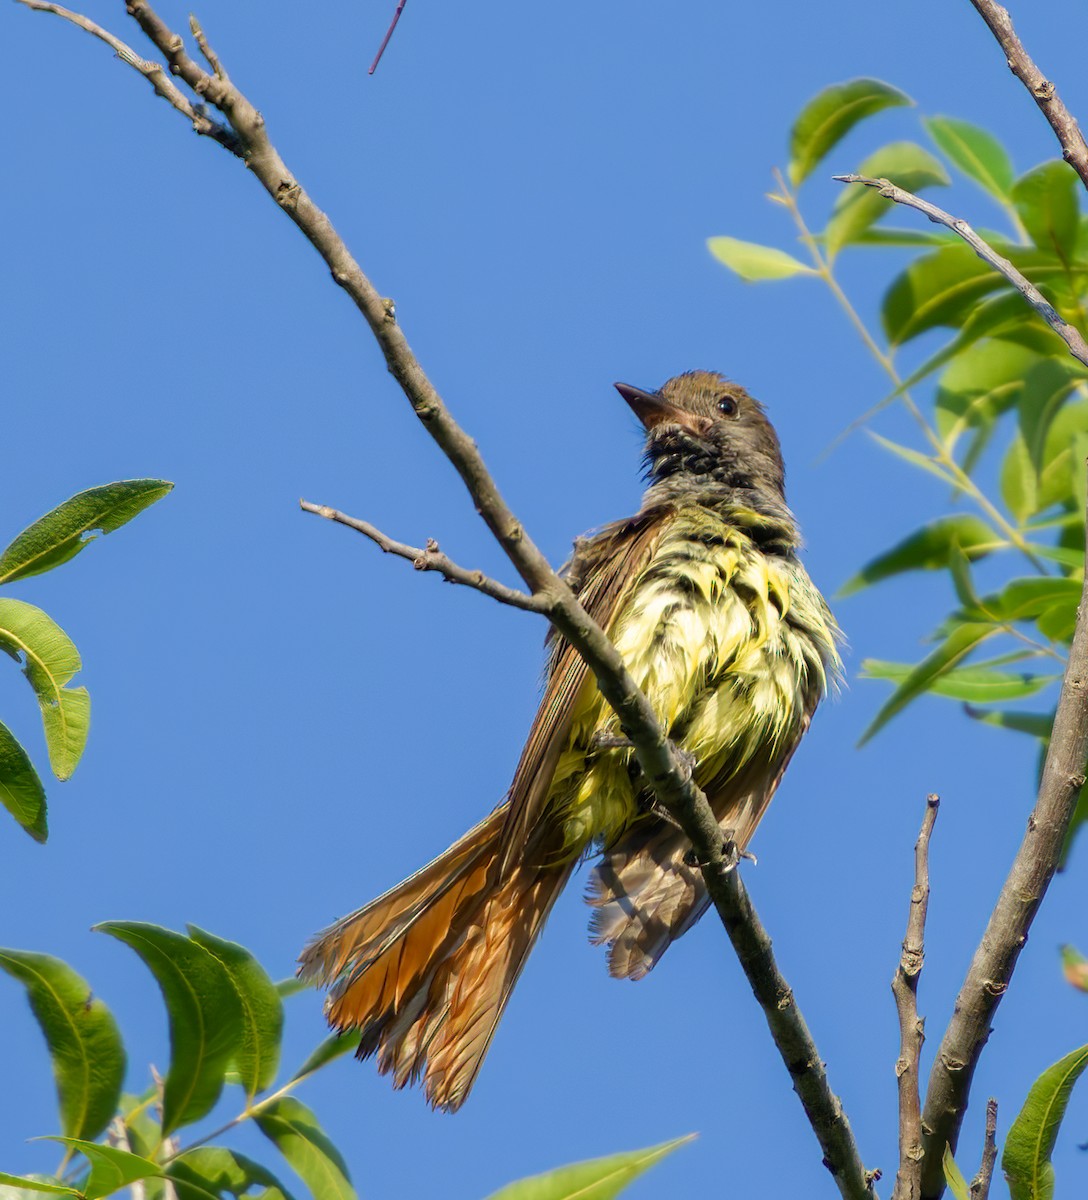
(1030, 1141)
(953, 1176)
(884, 236)
(21, 791)
(597, 1179)
(262, 1011)
(31, 1184)
(753, 262)
(978, 154)
(927, 548)
(336, 1045)
(829, 116)
(1024, 598)
(62, 533)
(205, 1016)
(301, 1140)
(982, 381)
(217, 1171)
(1057, 622)
(1047, 386)
(977, 684)
(111, 1168)
(959, 643)
(1075, 968)
(1046, 202)
(1036, 725)
(922, 461)
(83, 1039)
(50, 660)
(1019, 480)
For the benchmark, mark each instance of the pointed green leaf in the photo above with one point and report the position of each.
(928, 549)
(262, 1011)
(1062, 478)
(1075, 967)
(1030, 1142)
(905, 164)
(50, 659)
(1047, 387)
(753, 262)
(1046, 201)
(829, 116)
(953, 1176)
(1036, 725)
(596, 1179)
(205, 1017)
(1019, 480)
(1023, 599)
(217, 1171)
(978, 154)
(21, 791)
(922, 461)
(980, 684)
(336, 1045)
(884, 236)
(959, 643)
(1057, 622)
(111, 1168)
(301, 1140)
(62, 533)
(983, 380)
(31, 1184)
(83, 1039)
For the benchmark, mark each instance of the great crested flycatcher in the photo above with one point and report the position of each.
(718, 622)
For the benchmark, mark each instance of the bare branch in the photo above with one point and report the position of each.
(1072, 337)
(908, 1180)
(432, 559)
(980, 1185)
(663, 767)
(1043, 92)
(388, 35)
(1007, 930)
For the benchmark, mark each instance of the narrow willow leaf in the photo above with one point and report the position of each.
(959, 567)
(293, 1128)
(1046, 202)
(1030, 1141)
(914, 458)
(31, 1184)
(928, 549)
(1036, 725)
(111, 1168)
(1062, 477)
(217, 1171)
(62, 533)
(953, 1176)
(905, 237)
(1019, 480)
(262, 1011)
(21, 791)
(83, 1039)
(596, 1179)
(204, 1011)
(978, 154)
(1023, 599)
(753, 262)
(1058, 622)
(1075, 967)
(336, 1045)
(857, 208)
(830, 115)
(1047, 386)
(959, 643)
(976, 684)
(50, 660)
(1073, 559)
(983, 380)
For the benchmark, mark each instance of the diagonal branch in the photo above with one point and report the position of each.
(908, 1179)
(668, 774)
(1069, 334)
(1043, 91)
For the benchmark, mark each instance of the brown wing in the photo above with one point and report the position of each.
(602, 572)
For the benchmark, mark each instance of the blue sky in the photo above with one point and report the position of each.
(285, 722)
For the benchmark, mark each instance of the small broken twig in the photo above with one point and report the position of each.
(388, 35)
(980, 1185)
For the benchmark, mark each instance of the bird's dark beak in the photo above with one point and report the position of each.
(652, 409)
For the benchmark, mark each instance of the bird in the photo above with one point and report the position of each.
(704, 595)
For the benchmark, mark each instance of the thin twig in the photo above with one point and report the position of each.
(980, 1185)
(1007, 930)
(1072, 337)
(668, 773)
(388, 35)
(908, 1180)
(1043, 91)
(432, 559)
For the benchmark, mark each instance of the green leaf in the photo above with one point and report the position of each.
(905, 164)
(1063, 475)
(83, 1039)
(1024, 599)
(21, 791)
(1075, 967)
(953, 1176)
(262, 1011)
(1047, 387)
(753, 262)
(1019, 480)
(979, 684)
(829, 116)
(29, 1183)
(336, 1045)
(217, 1171)
(62, 533)
(905, 237)
(111, 1168)
(959, 643)
(50, 662)
(978, 154)
(983, 380)
(291, 986)
(1036, 725)
(301, 1140)
(205, 1017)
(1030, 1141)
(1058, 622)
(922, 461)
(1046, 202)
(927, 549)
(596, 1179)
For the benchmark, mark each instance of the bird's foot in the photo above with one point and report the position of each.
(731, 854)
(603, 740)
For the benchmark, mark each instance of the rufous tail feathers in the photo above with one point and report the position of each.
(425, 971)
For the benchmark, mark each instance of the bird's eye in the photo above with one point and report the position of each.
(727, 406)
